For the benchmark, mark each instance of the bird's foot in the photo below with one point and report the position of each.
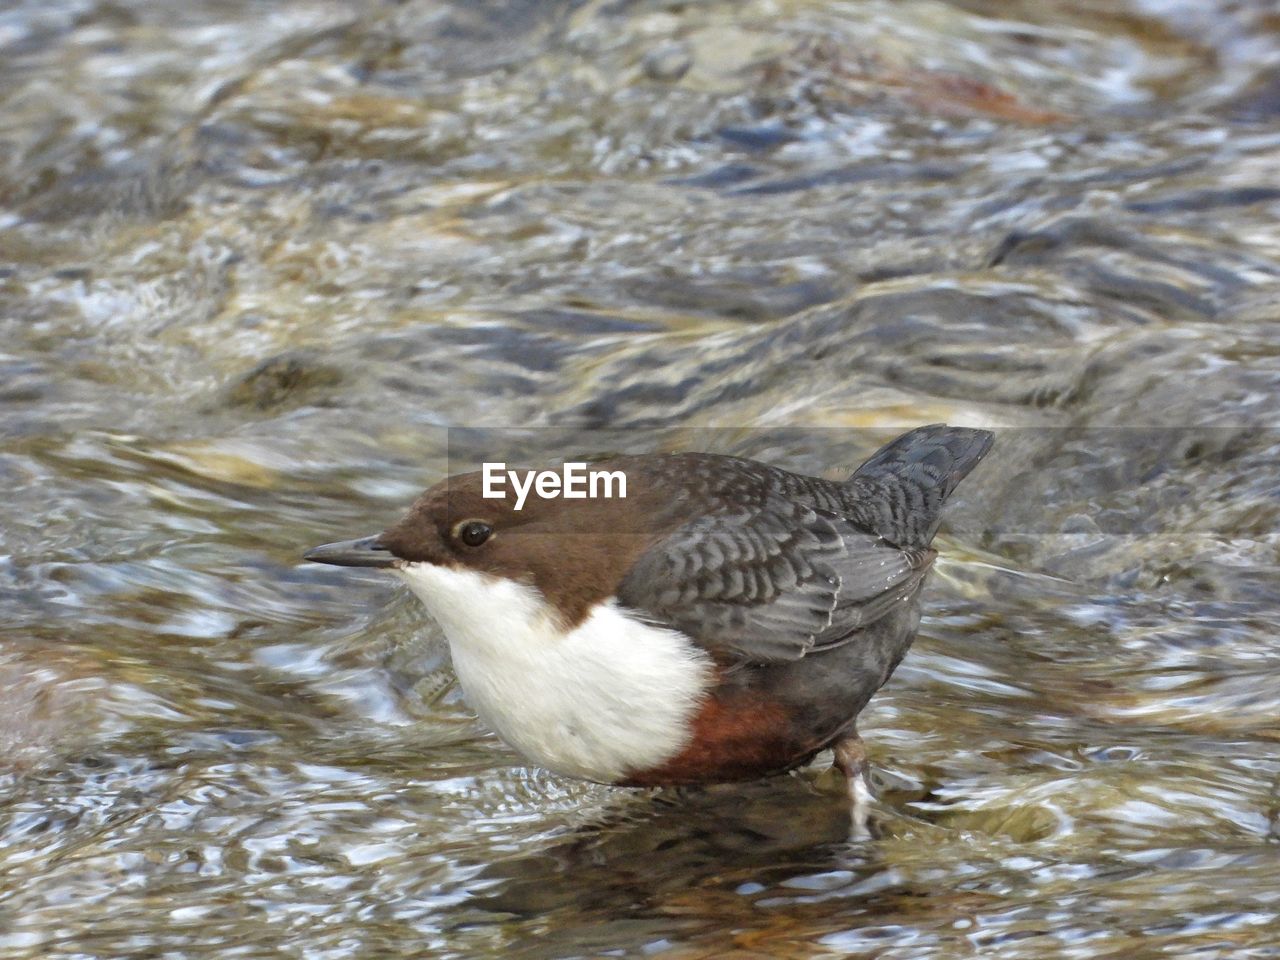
(851, 760)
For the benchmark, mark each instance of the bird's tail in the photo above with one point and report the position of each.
(904, 485)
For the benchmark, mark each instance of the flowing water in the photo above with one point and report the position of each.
(257, 259)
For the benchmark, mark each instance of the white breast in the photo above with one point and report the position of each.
(611, 697)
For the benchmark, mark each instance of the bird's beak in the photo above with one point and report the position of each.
(367, 552)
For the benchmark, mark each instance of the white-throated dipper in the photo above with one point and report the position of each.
(724, 620)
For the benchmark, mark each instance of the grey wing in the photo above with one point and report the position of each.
(771, 582)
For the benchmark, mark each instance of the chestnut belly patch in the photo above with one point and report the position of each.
(735, 736)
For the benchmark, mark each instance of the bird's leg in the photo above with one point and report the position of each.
(851, 760)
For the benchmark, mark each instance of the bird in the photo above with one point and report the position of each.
(721, 620)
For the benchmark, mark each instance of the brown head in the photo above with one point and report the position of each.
(575, 551)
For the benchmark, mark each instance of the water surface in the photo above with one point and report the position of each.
(257, 259)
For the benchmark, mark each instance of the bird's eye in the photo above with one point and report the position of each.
(473, 532)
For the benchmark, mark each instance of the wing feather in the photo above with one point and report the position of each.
(772, 580)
